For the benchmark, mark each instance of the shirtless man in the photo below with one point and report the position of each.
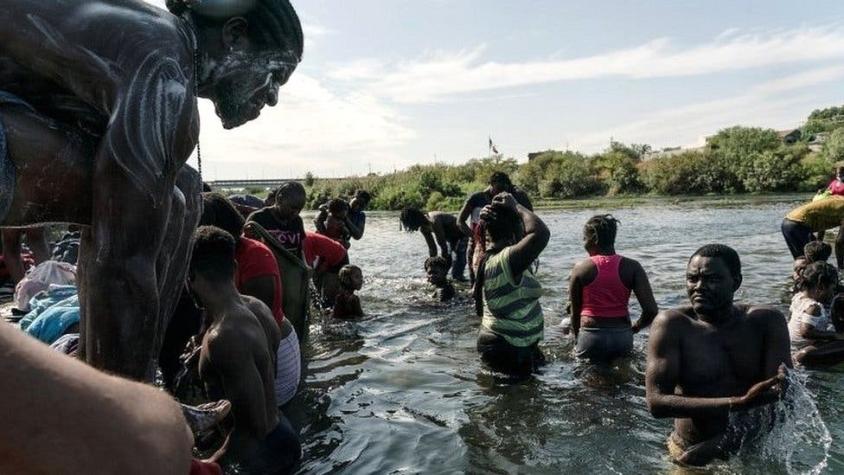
(237, 361)
(99, 114)
(712, 358)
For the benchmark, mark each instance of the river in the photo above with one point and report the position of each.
(403, 391)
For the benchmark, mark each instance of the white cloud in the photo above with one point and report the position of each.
(438, 76)
(765, 105)
(312, 128)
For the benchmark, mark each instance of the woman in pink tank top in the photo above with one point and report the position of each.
(599, 292)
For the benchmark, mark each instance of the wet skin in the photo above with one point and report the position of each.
(703, 359)
(113, 123)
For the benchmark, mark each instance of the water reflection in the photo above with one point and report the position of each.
(403, 391)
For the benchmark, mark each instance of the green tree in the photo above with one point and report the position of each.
(309, 179)
(824, 120)
(833, 149)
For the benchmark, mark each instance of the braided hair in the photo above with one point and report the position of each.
(816, 251)
(412, 219)
(601, 230)
(276, 23)
(817, 275)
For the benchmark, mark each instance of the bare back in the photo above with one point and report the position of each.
(236, 363)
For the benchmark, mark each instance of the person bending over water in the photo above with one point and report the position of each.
(236, 361)
(599, 292)
(347, 304)
(437, 269)
(507, 293)
(811, 327)
(801, 224)
(713, 358)
(442, 228)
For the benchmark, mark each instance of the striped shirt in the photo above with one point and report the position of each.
(511, 309)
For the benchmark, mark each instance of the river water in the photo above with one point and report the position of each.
(403, 391)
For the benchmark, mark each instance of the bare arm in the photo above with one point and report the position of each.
(319, 221)
(355, 231)
(439, 234)
(534, 241)
(645, 296)
(812, 333)
(241, 384)
(103, 424)
(576, 299)
(428, 233)
(354, 303)
(663, 374)
(777, 341)
(463, 216)
(262, 288)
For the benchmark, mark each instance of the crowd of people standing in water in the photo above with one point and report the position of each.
(214, 292)
(233, 345)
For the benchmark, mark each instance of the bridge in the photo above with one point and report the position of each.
(262, 183)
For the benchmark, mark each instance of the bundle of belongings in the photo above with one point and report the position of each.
(54, 314)
(39, 278)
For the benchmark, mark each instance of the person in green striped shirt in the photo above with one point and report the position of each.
(507, 293)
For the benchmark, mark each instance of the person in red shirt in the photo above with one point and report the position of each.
(257, 269)
(326, 256)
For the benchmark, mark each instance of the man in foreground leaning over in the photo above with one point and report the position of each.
(712, 359)
(236, 362)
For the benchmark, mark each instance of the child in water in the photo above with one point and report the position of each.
(335, 222)
(347, 304)
(437, 269)
(814, 251)
(811, 326)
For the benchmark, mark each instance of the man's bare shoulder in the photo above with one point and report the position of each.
(763, 315)
(672, 317)
(256, 306)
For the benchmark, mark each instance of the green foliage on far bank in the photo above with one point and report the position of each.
(735, 160)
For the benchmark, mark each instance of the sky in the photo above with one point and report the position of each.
(385, 84)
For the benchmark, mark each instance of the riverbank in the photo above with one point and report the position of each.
(631, 201)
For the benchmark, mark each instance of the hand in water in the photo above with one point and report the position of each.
(506, 199)
(764, 392)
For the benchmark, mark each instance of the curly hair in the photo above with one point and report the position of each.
(338, 206)
(817, 251)
(601, 230)
(412, 219)
(217, 210)
(436, 261)
(817, 275)
(213, 254)
(345, 275)
(501, 222)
